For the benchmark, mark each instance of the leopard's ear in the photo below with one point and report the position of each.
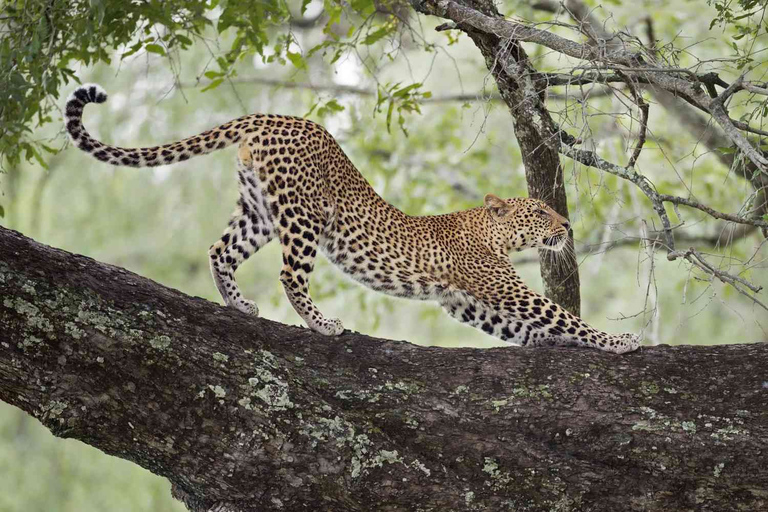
(497, 207)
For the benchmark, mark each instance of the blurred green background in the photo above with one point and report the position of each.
(160, 222)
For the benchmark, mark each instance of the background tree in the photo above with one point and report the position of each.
(426, 117)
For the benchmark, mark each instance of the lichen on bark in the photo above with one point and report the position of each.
(245, 414)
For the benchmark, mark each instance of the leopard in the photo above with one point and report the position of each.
(297, 185)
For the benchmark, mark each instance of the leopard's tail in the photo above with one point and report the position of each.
(206, 142)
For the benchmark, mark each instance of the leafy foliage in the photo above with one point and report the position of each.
(45, 41)
(747, 20)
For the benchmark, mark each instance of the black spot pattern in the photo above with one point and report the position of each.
(297, 185)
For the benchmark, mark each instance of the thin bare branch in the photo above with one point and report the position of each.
(637, 96)
(657, 200)
(348, 89)
(697, 259)
(744, 126)
(636, 63)
(591, 159)
(755, 89)
(653, 239)
(712, 212)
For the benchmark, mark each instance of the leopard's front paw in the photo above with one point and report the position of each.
(330, 327)
(623, 343)
(246, 306)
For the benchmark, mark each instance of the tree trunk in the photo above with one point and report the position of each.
(538, 136)
(245, 414)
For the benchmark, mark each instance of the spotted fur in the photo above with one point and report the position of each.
(297, 185)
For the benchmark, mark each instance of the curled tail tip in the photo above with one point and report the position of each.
(88, 93)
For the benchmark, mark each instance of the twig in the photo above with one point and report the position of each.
(644, 107)
(348, 89)
(644, 184)
(712, 212)
(717, 109)
(761, 90)
(696, 258)
(744, 126)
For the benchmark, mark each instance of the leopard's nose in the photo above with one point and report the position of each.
(567, 225)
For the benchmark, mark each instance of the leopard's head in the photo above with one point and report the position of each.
(527, 223)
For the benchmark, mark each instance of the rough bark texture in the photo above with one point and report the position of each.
(245, 414)
(538, 136)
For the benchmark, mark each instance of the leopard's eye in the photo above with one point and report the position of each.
(542, 211)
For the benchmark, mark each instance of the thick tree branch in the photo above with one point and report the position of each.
(620, 59)
(523, 89)
(244, 414)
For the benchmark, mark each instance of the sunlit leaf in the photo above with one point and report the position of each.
(155, 48)
(376, 35)
(297, 60)
(213, 85)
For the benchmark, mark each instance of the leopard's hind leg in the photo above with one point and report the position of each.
(249, 230)
(301, 211)
(300, 238)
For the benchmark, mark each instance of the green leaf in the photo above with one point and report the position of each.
(337, 55)
(328, 108)
(405, 90)
(213, 85)
(311, 109)
(2, 212)
(376, 35)
(155, 48)
(212, 75)
(183, 39)
(334, 106)
(726, 150)
(297, 60)
(133, 49)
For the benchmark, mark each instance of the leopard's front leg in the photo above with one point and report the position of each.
(469, 310)
(534, 321)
